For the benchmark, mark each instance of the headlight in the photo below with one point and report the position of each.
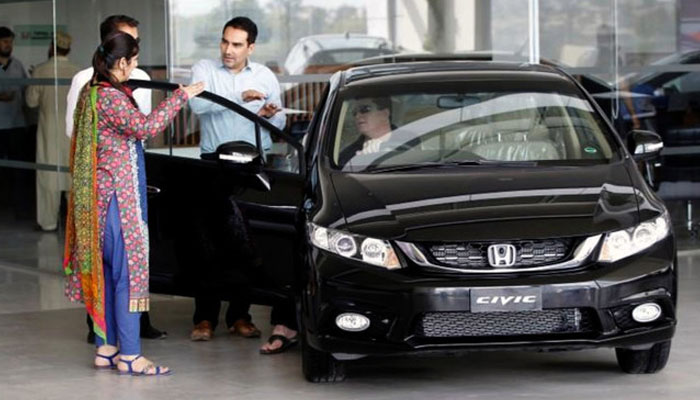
(624, 243)
(370, 250)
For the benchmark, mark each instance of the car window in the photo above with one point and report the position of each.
(686, 83)
(507, 126)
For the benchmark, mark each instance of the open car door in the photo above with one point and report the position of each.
(230, 219)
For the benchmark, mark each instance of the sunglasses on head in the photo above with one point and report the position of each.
(363, 109)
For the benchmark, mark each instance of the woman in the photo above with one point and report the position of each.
(106, 253)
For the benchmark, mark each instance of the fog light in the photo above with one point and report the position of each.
(646, 312)
(352, 322)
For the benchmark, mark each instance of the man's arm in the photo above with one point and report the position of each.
(201, 73)
(33, 93)
(278, 119)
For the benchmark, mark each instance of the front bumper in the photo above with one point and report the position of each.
(398, 302)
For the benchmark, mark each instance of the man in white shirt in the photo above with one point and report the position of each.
(372, 117)
(128, 25)
(142, 96)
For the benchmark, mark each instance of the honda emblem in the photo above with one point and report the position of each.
(501, 255)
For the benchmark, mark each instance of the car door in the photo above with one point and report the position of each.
(187, 196)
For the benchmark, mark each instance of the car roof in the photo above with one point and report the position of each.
(448, 70)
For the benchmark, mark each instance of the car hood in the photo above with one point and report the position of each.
(473, 203)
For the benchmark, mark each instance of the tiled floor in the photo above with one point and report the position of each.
(43, 354)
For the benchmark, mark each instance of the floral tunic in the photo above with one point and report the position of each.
(120, 126)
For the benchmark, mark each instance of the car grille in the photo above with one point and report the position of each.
(466, 324)
(474, 255)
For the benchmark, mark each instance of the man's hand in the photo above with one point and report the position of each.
(250, 95)
(269, 110)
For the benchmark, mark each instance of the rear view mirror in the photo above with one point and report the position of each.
(457, 101)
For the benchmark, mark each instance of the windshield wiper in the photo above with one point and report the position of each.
(448, 164)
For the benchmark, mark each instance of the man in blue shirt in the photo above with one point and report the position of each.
(256, 88)
(236, 78)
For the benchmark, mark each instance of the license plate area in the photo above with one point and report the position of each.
(505, 299)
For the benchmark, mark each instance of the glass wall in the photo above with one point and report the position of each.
(43, 44)
(638, 58)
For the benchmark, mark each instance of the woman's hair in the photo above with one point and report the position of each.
(115, 46)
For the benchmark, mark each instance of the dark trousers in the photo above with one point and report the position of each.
(19, 144)
(207, 307)
(284, 313)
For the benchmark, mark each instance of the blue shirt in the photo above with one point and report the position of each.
(219, 124)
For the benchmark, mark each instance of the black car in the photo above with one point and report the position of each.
(500, 211)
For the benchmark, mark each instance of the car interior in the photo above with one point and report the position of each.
(523, 133)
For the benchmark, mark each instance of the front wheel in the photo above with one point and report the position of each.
(319, 366)
(644, 361)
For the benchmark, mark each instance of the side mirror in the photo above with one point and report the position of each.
(645, 145)
(238, 153)
(244, 161)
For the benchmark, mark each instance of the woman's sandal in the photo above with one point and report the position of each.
(112, 363)
(159, 370)
(286, 344)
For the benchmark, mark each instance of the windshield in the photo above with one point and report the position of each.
(385, 131)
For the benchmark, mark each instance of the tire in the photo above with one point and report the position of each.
(644, 361)
(319, 366)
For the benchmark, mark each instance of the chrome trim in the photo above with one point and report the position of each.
(581, 254)
(648, 148)
(498, 260)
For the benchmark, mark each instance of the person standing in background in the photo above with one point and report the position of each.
(12, 122)
(14, 143)
(52, 147)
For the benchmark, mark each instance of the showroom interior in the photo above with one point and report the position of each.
(639, 61)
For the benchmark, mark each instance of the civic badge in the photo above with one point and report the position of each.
(501, 255)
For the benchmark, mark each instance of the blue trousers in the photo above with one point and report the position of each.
(122, 326)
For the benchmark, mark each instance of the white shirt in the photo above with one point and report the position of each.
(374, 145)
(142, 96)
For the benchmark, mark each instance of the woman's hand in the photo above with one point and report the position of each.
(193, 90)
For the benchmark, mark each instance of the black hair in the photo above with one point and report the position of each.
(115, 46)
(382, 103)
(6, 32)
(246, 24)
(111, 24)
(62, 52)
